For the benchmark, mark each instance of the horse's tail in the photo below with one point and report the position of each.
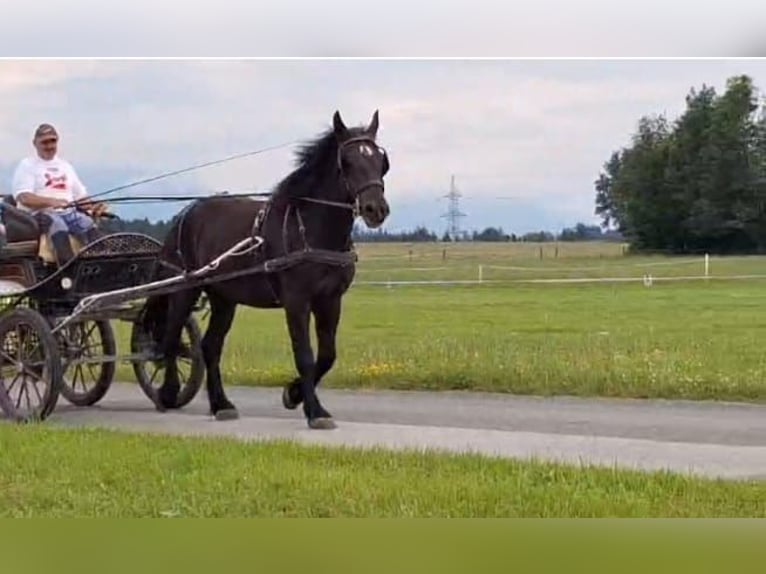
(154, 314)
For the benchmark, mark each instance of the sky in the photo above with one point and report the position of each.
(391, 28)
(525, 139)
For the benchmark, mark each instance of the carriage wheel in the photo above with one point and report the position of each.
(30, 366)
(190, 363)
(86, 383)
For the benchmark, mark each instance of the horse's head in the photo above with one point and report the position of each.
(362, 165)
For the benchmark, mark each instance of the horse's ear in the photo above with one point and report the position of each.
(372, 130)
(341, 131)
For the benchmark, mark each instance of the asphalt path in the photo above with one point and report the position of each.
(721, 440)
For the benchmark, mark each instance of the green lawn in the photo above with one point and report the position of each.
(674, 340)
(54, 473)
(695, 339)
(691, 339)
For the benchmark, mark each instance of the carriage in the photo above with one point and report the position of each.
(56, 332)
(293, 251)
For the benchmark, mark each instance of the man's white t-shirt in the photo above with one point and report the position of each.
(54, 178)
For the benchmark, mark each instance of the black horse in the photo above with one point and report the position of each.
(307, 224)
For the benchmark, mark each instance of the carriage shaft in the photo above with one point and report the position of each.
(202, 277)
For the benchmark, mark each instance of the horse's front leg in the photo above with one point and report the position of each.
(298, 314)
(327, 315)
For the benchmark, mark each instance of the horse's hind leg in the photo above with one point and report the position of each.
(327, 315)
(221, 318)
(180, 306)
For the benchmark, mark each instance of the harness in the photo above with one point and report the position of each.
(207, 275)
(332, 257)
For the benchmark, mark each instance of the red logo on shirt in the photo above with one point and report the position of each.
(58, 182)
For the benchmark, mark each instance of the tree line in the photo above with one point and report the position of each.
(580, 232)
(695, 184)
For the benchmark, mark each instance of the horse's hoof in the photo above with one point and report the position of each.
(287, 402)
(322, 423)
(226, 415)
(158, 404)
(166, 402)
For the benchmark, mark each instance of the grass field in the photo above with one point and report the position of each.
(78, 473)
(698, 339)
(692, 339)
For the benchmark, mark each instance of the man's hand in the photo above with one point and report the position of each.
(99, 209)
(93, 208)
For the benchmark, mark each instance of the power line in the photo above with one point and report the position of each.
(453, 213)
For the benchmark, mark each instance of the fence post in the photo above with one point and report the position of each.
(481, 273)
(707, 265)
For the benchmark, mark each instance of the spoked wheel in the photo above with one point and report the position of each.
(30, 366)
(86, 379)
(151, 371)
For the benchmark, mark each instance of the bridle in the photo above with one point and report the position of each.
(354, 194)
(351, 205)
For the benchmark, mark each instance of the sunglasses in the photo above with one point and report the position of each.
(49, 141)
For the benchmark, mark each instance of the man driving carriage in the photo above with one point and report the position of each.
(47, 186)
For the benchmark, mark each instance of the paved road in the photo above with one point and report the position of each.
(712, 439)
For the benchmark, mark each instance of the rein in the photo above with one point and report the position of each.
(342, 205)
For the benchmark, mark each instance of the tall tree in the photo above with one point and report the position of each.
(689, 171)
(700, 184)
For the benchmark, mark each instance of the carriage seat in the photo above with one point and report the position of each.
(21, 230)
(25, 237)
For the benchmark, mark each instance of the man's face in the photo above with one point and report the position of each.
(47, 146)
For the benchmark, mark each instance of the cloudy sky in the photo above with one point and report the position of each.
(390, 28)
(524, 138)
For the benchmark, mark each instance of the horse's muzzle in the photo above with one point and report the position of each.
(374, 212)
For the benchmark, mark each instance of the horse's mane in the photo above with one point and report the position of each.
(313, 159)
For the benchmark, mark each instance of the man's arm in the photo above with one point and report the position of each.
(34, 201)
